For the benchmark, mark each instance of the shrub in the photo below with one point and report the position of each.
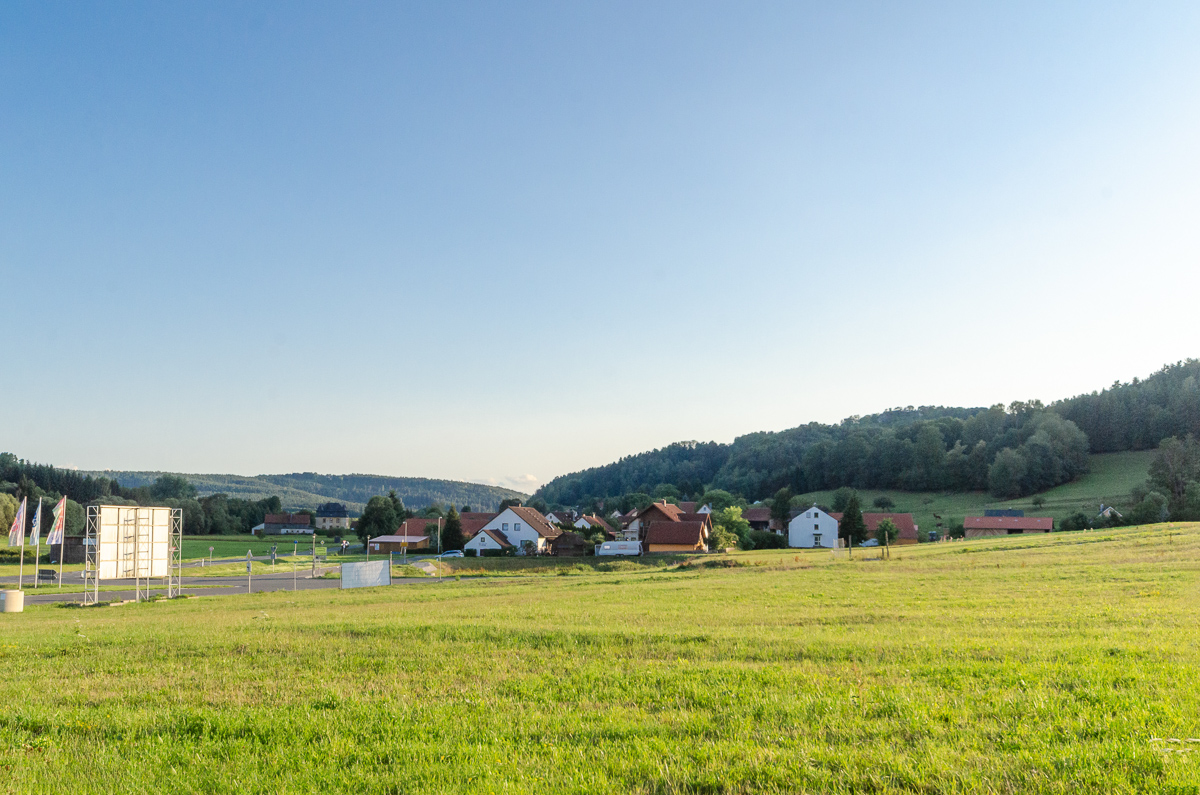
(764, 539)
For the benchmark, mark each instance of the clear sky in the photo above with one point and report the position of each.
(504, 241)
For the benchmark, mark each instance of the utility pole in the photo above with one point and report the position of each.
(249, 563)
(314, 554)
(440, 535)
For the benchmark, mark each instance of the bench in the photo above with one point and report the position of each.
(47, 574)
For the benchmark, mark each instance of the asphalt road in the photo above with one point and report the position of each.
(259, 583)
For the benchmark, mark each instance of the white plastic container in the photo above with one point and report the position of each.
(12, 601)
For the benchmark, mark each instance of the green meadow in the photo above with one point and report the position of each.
(1067, 663)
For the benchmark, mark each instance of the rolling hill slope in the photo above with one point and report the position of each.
(309, 489)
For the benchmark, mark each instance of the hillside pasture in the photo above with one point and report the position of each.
(1109, 480)
(1041, 664)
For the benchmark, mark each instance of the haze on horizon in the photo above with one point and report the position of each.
(503, 242)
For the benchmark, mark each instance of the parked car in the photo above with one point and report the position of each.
(453, 553)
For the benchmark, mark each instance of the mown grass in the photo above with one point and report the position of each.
(1053, 664)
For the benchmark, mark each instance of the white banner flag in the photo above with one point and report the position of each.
(16, 533)
(55, 536)
(35, 532)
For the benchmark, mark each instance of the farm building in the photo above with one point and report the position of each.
(677, 536)
(904, 524)
(813, 528)
(758, 517)
(397, 543)
(487, 540)
(981, 526)
(569, 545)
(284, 524)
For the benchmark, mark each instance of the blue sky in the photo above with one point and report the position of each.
(504, 241)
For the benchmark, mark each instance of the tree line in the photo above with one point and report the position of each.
(919, 450)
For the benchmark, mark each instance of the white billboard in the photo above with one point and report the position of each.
(133, 541)
(366, 575)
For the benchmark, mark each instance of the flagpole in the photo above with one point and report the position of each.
(62, 551)
(36, 533)
(21, 571)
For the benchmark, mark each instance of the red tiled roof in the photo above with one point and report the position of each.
(688, 507)
(689, 533)
(756, 514)
(287, 518)
(903, 521)
(473, 522)
(416, 526)
(534, 519)
(667, 510)
(595, 521)
(1008, 523)
(703, 518)
(496, 536)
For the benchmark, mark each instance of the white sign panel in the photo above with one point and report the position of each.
(134, 542)
(366, 575)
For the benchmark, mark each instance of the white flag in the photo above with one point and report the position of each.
(16, 533)
(55, 536)
(35, 532)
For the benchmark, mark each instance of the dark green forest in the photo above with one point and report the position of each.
(1010, 451)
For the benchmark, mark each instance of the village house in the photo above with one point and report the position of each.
(592, 524)
(523, 528)
(677, 536)
(983, 526)
(674, 529)
(332, 516)
(759, 518)
(487, 540)
(812, 528)
(561, 517)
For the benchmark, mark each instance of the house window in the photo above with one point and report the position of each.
(517, 527)
(816, 539)
(505, 526)
(816, 526)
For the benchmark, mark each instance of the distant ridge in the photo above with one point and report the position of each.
(309, 489)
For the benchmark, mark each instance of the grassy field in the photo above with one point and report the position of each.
(1067, 663)
(1111, 478)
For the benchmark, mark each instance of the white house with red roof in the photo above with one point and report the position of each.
(522, 527)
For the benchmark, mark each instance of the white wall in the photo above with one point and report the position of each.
(804, 528)
(481, 541)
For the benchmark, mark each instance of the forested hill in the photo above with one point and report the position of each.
(309, 489)
(1011, 451)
